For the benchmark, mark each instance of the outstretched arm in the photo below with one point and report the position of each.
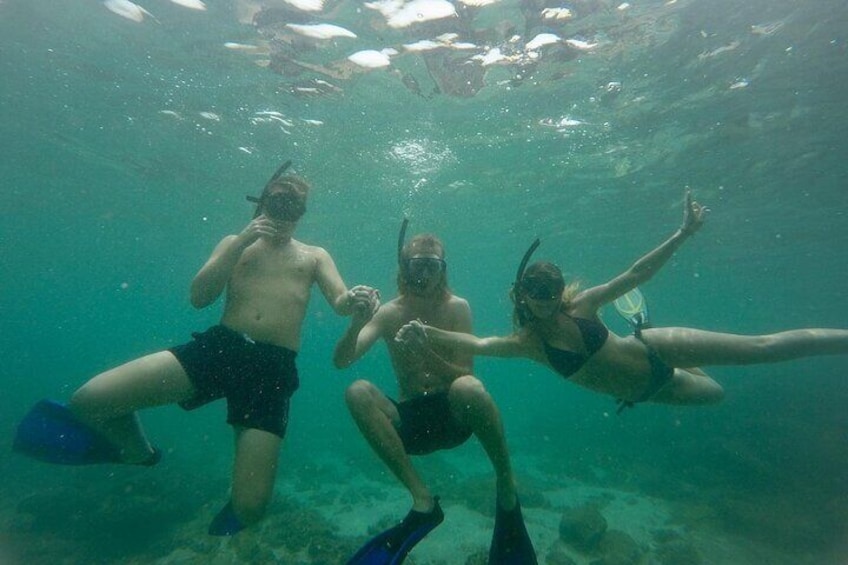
(343, 301)
(360, 335)
(445, 360)
(507, 346)
(647, 266)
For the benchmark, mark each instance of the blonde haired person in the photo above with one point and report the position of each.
(558, 325)
(440, 405)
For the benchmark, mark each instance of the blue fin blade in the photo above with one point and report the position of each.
(50, 433)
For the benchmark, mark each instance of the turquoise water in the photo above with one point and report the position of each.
(128, 150)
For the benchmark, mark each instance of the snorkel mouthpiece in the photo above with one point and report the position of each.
(416, 283)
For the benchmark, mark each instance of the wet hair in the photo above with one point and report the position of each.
(288, 183)
(540, 274)
(422, 243)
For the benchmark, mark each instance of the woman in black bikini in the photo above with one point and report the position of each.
(558, 326)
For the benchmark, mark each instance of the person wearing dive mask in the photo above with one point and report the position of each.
(440, 405)
(558, 325)
(420, 270)
(248, 358)
(283, 200)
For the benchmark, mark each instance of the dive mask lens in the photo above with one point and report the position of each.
(285, 206)
(542, 292)
(417, 267)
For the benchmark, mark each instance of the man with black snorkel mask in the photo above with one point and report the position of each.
(248, 358)
(283, 200)
(440, 403)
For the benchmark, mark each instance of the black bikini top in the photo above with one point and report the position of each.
(565, 362)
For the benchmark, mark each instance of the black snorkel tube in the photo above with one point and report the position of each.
(403, 266)
(523, 265)
(522, 314)
(279, 172)
(402, 240)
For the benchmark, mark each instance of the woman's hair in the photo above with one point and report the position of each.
(540, 274)
(422, 243)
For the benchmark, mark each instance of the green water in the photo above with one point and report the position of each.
(116, 188)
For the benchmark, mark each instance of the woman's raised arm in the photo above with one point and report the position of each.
(694, 215)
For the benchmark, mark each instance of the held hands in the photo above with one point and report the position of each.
(363, 302)
(413, 336)
(694, 215)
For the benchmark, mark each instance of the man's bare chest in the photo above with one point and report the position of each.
(291, 266)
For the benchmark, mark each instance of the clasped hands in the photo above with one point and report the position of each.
(363, 301)
(413, 335)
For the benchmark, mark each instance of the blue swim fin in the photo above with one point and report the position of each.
(633, 307)
(392, 546)
(49, 432)
(511, 544)
(225, 523)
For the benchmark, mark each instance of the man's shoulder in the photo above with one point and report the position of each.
(227, 239)
(312, 250)
(391, 309)
(455, 301)
(304, 246)
(389, 318)
(397, 311)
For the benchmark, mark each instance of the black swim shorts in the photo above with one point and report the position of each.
(427, 424)
(257, 379)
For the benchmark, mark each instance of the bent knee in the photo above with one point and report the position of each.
(690, 387)
(714, 394)
(360, 393)
(705, 393)
(706, 390)
(468, 390)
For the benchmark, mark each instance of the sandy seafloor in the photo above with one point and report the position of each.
(324, 509)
